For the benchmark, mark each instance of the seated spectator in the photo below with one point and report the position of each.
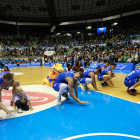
(78, 66)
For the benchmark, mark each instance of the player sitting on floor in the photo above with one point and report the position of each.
(107, 75)
(21, 100)
(68, 68)
(89, 77)
(103, 65)
(132, 81)
(65, 83)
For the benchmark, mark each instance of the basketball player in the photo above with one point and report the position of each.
(106, 75)
(89, 77)
(6, 79)
(137, 65)
(103, 65)
(132, 81)
(65, 83)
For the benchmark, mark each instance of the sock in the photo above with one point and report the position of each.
(131, 88)
(59, 96)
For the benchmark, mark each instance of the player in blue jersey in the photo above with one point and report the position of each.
(65, 83)
(107, 75)
(132, 81)
(6, 79)
(89, 77)
(137, 65)
(68, 68)
(103, 65)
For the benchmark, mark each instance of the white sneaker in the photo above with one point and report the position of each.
(20, 111)
(83, 88)
(59, 100)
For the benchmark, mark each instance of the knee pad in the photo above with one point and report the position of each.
(62, 88)
(88, 80)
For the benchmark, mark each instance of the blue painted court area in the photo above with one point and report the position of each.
(104, 118)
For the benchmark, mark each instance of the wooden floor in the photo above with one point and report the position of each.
(35, 75)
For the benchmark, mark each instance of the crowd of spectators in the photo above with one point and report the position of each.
(115, 52)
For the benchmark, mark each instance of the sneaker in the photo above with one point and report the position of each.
(102, 84)
(20, 111)
(131, 92)
(105, 83)
(67, 97)
(58, 100)
(83, 88)
(134, 90)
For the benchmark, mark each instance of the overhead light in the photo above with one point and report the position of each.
(88, 27)
(78, 32)
(115, 23)
(58, 34)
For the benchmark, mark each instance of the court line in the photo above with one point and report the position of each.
(118, 97)
(101, 134)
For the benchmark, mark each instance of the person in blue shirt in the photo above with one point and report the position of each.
(107, 75)
(65, 83)
(137, 65)
(89, 77)
(103, 65)
(132, 81)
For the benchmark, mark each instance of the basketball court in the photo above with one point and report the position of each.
(110, 114)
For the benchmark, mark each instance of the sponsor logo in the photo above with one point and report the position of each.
(35, 97)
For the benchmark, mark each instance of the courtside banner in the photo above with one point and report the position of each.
(47, 64)
(120, 66)
(11, 65)
(24, 64)
(124, 66)
(35, 64)
(93, 65)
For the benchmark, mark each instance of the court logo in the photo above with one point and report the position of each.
(35, 97)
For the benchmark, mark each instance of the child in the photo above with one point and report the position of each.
(21, 100)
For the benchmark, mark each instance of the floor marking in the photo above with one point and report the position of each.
(102, 134)
(117, 97)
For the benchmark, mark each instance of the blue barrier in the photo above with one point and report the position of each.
(120, 66)
(35, 64)
(47, 64)
(52, 63)
(61, 63)
(93, 65)
(24, 64)
(11, 65)
(124, 66)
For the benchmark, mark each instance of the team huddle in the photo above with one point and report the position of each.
(66, 82)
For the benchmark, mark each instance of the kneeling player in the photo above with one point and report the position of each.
(107, 75)
(65, 83)
(132, 81)
(89, 77)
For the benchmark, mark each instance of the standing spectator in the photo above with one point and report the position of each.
(41, 61)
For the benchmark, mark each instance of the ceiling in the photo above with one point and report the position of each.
(57, 11)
